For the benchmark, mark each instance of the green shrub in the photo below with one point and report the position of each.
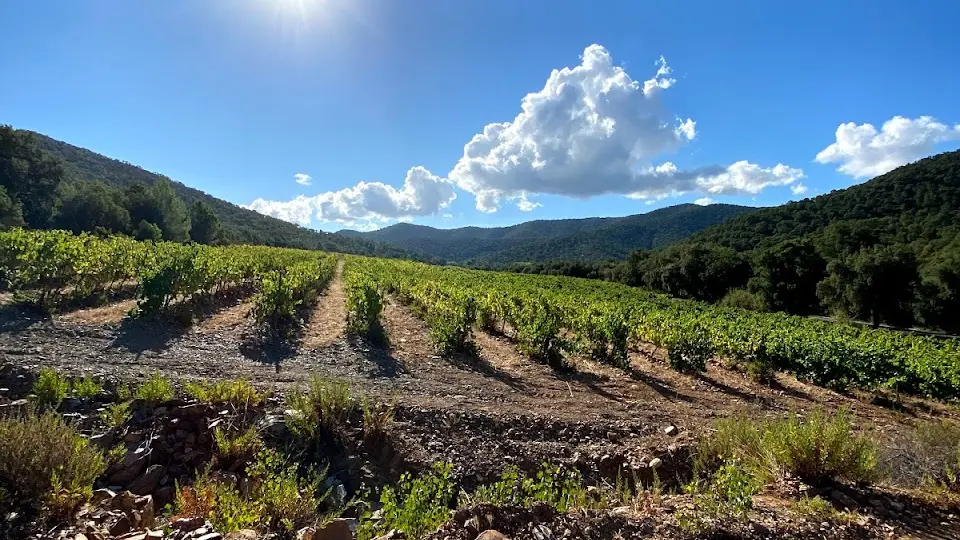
(155, 389)
(415, 507)
(46, 463)
(50, 388)
(551, 485)
(377, 417)
(86, 388)
(451, 322)
(116, 414)
(688, 347)
(819, 449)
(233, 446)
(727, 495)
(240, 393)
(816, 509)
(326, 403)
(743, 299)
(364, 305)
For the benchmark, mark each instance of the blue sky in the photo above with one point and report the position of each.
(375, 101)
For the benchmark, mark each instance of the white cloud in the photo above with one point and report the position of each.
(798, 189)
(526, 205)
(864, 152)
(422, 194)
(704, 201)
(303, 179)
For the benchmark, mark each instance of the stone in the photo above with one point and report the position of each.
(133, 437)
(149, 481)
(671, 430)
(306, 533)
(101, 495)
(103, 441)
(146, 509)
(187, 524)
(896, 506)
(152, 535)
(621, 511)
(242, 534)
(210, 536)
(843, 499)
(338, 529)
(163, 496)
(655, 462)
(121, 527)
(491, 534)
(542, 532)
(80, 536)
(133, 464)
(392, 535)
(124, 501)
(134, 536)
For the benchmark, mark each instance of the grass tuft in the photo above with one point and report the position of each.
(50, 388)
(239, 394)
(155, 389)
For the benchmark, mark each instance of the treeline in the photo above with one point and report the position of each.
(35, 193)
(887, 251)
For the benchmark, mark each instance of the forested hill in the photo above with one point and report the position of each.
(239, 224)
(589, 239)
(916, 202)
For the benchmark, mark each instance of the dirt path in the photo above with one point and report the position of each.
(102, 315)
(328, 318)
(226, 319)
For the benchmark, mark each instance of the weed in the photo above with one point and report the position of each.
(377, 417)
(123, 392)
(551, 485)
(815, 509)
(240, 393)
(816, 450)
(155, 389)
(237, 446)
(325, 403)
(724, 497)
(116, 414)
(930, 458)
(86, 388)
(50, 388)
(45, 462)
(415, 506)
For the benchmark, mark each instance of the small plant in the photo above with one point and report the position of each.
(155, 389)
(724, 497)
(415, 506)
(325, 403)
(688, 347)
(364, 305)
(816, 509)
(930, 458)
(377, 417)
(50, 388)
(237, 446)
(239, 394)
(551, 485)
(86, 388)
(116, 414)
(46, 462)
(123, 392)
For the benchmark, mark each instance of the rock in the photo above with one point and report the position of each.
(154, 535)
(80, 536)
(392, 535)
(101, 495)
(133, 437)
(163, 496)
(187, 524)
(242, 534)
(104, 441)
(134, 536)
(843, 499)
(124, 501)
(896, 506)
(145, 507)
(542, 532)
(671, 430)
(338, 529)
(133, 465)
(210, 536)
(621, 511)
(121, 527)
(655, 462)
(149, 481)
(491, 534)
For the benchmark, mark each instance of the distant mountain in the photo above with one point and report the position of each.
(589, 239)
(240, 224)
(917, 203)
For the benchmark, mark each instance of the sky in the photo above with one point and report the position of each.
(358, 113)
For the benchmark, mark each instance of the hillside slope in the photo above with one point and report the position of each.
(916, 202)
(241, 225)
(587, 239)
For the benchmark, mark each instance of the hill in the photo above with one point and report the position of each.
(589, 239)
(240, 224)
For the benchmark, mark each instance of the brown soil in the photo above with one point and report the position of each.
(102, 315)
(226, 319)
(327, 321)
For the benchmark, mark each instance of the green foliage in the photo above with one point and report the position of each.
(551, 485)
(116, 414)
(155, 389)
(238, 393)
(237, 446)
(415, 507)
(816, 509)
(11, 211)
(692, 270)
(743, 299)
(286, 289)
(325, 403)
(786, 277)
(147, 231)
(364, 303)
(86, 387)
(874, 283)
(818, 449)
(45, 462)
(930, 458)
(91, 206)
(204, 224)
(50, 388)
(28, 176)
(726, 496)
(377, 417)
(688, 347)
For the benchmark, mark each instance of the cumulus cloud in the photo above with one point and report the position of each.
(526, 205)
(302, 179)
(422, 194)
(741, 178)
(864, 152)
(704, 201)
(798, 189)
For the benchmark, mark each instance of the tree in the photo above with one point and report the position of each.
(204, 224)
(939, 291)
(11, 214)
(89, 206)
(786, 276)
(159, 204)
(701, 271)
(877, 283)
(29, 176)
(147, 231)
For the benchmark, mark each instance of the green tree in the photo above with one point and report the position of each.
(939, 291)
(29, 176)
(701, 271)
(159, 204)
(875, 283)
(11, 214)
(89, 206)
(204, 224)
(147, 231)
(786, 276)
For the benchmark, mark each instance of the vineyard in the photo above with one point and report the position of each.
(551, 319)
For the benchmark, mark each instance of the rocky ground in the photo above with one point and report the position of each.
(479, 412)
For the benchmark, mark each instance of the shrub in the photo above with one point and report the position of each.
(239, 394)
(688, 347)
(116, 414)
(816, 509)
(50, 388)
(325, 403)
(364, 305)
(930, 457)
(727, 495)
(46, 463)
(451, 322)
(377, 417)
(816, 450)
(551, 485)
(155, 389)
(416, 506)
(743, 299)
(232, 446)
(86, 388)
